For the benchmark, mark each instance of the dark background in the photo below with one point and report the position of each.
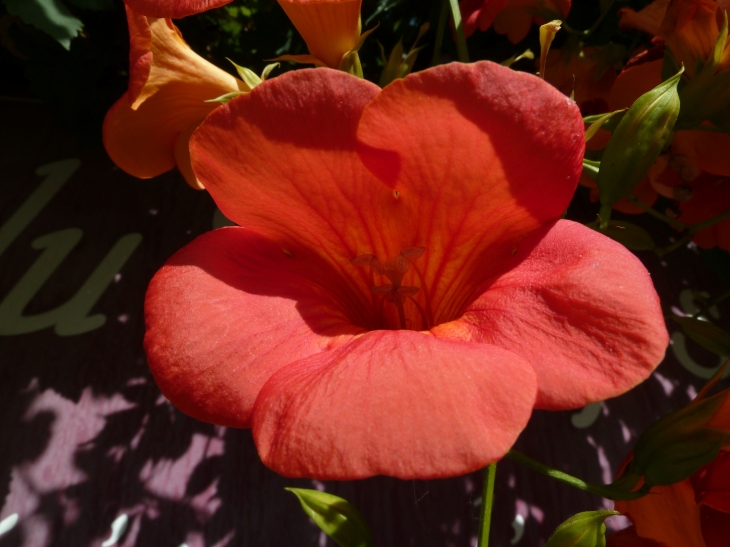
(85, 435)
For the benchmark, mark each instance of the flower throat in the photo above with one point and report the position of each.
(395, 293)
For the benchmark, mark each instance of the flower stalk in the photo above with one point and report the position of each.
(487, 501)
(603, 491)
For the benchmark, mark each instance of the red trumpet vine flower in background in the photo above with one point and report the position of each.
(173, 9)
(584, 75)
(710, 198)
(147, 131)
(400, 292)
(330, 28)
(688, 27)
(648, 20)
(692, 513)
(511, 17)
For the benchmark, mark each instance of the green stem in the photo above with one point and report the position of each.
(487, 502)
(604, 491)
(461, 49)
(653, 212)
(711, 303)
(440, 30)
(711, 222)
(692, 230)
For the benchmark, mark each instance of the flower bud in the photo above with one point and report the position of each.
(637, 142)
(679, 443)
(336, 517)
(582, 530)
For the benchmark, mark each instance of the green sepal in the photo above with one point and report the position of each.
(392, 66)
(585, 529)
(397, 66)
(336, 517)
(228, 97)
(267, 70)
(679, 461)
(630, 235)
(706, 334)
(50, 16)
(351, 64)
(248, 76)
(638, 140)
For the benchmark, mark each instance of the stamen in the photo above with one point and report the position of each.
(426, 297)
(394, 292)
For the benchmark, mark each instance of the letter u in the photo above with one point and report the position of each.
(70, 318)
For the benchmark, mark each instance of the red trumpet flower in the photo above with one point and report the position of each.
(400, 293)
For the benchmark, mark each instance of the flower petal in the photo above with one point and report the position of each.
(329, 27)
(648, 20)
(169, 84)
(173, 9)
(282, 160)
(226, 312)
(581, 308)
(633, 82)
(402, 404)
(418, 135)
(481, 156)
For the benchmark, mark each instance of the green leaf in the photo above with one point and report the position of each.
(336, 517)
(582, 530)
(595, 126)
(610, 124)
(637, 142)
(591, 168)
(705, 334)
(50, 16)
(629, 235)
(390, 72)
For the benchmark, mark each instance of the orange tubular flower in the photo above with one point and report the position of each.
(330, 28)
(147, 131)
(511, 17)
(173, 9)
(392, 303)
